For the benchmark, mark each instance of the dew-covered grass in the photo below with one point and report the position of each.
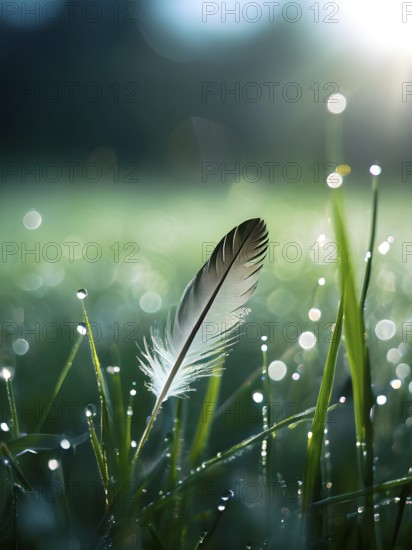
(303, 442)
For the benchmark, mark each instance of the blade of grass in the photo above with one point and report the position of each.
(60, 382)
(360, 372)
(100, 458)
(15, 429)
(34, 442)
(5, 451)
(106, 421)
(204, 425)
(355, 495)
(401, 509)
(369, 254)
(290, 422)
(312, 472)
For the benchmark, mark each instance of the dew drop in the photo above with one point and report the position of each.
(32, 219)
(20, 346)
(257, 397)
(112, 370)
(381, 399)
(375, 170)
(228, 494)
(314, 314)
(90, 410)
(133, 392)
(81, 329)
(4, 427)
(277, 370)
(53, 464)
(65, 444)
(6, 373)
(307, 340)
(81, 293)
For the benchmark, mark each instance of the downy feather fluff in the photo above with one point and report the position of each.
(210, 311)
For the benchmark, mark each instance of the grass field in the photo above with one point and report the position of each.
(304, 442)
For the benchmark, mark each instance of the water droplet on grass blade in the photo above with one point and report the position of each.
(90, 410)
(81, 293)
(65, 444)
(53, 464)
(81, 329)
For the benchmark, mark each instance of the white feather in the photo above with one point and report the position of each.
(209, 313)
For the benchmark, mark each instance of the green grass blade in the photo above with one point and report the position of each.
(355, 341)
(205, 421)
(401, 509)
(60, 381)
(106, 420)
(100, 458)
(353, 322)
(176, 446)
(371, 247)
(5, 451)
(34, 442)
(15, 428)
(312, 472)
(355, 495)
(247, 443)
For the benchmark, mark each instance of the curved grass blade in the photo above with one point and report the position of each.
(355, 495)
(15, 429)
(106, 410)
(291, 422)
(100, 458)
(360, 371)
(34, 442)
(60, 381)
(204, 425)
(14, 465)
(312, 472)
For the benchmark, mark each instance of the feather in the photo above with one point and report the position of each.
(209, 313)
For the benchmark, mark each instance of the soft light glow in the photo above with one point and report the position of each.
(257, 397)
(334, 180)
(393, 355)
(336, 104)
(375, 170)
(321, 281)
(53, 464)
(6, 373)
(307, 340)
(65, 444)
(150, 302)
(403, 370)
(382, 27)
(32, 220)
(385, 329)
(264, 347)
(384, 247)
(314, 314)
(277, 370)
(381, 399)
(396, 384)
